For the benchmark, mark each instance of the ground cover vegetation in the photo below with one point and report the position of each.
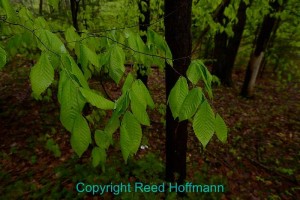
(150, 91)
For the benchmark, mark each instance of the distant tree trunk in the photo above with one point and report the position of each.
(144, 22)
(226, 48)
(256, 57)
(219, 10)
(178, 37)
(41, 7)
(74, 10)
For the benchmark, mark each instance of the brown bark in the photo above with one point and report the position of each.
(41, 7)
(261, 44)
(226, 48)
(178, 37)
(74, 9)
(143, 25)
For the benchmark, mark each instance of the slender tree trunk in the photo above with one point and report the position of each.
(226, 48)
(41, 7)
(263, 38)
(178, 37)
(74, 9)
(144, 22)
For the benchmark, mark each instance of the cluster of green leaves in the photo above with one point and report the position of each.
(192, 104)
(107, 53)
(95, 54)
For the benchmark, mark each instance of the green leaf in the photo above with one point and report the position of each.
(102, 139)
(136, 43)
(98, 157)
(161, 45)
(122, 104)
(50, 41)
(11, 14)
(71, 37)
(220, 128)
(203, 123)
(81, 135)
(96, 99)
(40, 23)
(190, 104)
(72, 103)
(86, 55)
(141, 92)
(128, 82)
(139, 110)
(41, 75)
(178, 95)
(116, 63)
(130, 135)
(194, 72)
(2, 58)
(70, 65)
(54, 4)
(112, 125)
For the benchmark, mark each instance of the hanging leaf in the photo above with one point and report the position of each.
(81, 135)
(128, 82)
(139, 110)
(130, 135)
(49, 41)
(97, 100)
(72, 103)
(177, 96)
(2, 57)
(136, 43)
(220, 128)
(160, 43)
(142, 94)
(99, 157)
(70, 65)
(116, 63)
(122, 104)
(194, 72)
(112, 125)
(71, 37)
(102, 139)
(41, 75)
(87, 55)
(190, 104)
(203, 123)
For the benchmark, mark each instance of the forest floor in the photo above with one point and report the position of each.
(261, 159)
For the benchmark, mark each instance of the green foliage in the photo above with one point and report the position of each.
(190, 104)
(220, 128)
(99, 157)
(185, 104)
(41, 75)
(130, 135)
(203, 123)
(53, 147)
(98, 54)
(81, 135)
(2, 57)
(177, 96)
(96, 99)
(116, 63)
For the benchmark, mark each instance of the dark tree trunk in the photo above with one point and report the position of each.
(143, 25)
(256, 57)
(74, 10)
(41, 7)
(217, 12)
(178, 37)
(226, 48)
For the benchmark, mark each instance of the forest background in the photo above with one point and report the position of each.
(73, 109)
